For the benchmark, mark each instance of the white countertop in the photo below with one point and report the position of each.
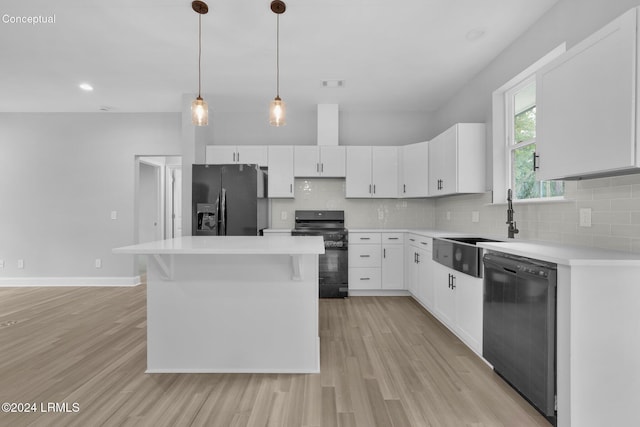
(229, 245)
(564, 254)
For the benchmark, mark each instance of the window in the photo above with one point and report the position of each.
(520, 108)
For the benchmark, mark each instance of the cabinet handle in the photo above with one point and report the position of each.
(418, 258)
(535, 161)
(424, 243)
(365, 278)
(415, 257)
(234, 156)
(453, 281)
(404, 188)
(369, 188)
(449, 280)
(365, 238)
(365, 256)
(374, 189)
(318, 167)
(238, 157)
(291, 188)
(413, 240)
(393, 238)
(321, 167)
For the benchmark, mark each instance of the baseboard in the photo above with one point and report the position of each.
(18, 282)
(379, 293)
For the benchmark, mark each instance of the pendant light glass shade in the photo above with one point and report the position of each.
(277, 109)
(199, 107)
(277, 112)
(199, 112)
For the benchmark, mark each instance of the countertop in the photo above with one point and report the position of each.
(564, 254)
(229, 245)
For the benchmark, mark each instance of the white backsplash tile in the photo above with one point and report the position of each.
(615, 205)
(328, 193)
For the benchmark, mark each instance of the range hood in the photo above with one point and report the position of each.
(327, 124)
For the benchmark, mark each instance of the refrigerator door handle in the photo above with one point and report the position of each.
(223, 213)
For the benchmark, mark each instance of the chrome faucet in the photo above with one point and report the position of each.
(512, 230)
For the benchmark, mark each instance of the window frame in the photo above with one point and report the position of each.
(499, 160)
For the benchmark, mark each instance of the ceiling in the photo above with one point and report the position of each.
(142, 56)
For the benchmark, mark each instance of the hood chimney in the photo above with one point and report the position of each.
(327, 124)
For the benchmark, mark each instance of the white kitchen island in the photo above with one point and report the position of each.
(232, 303)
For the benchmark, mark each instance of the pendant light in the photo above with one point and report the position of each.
(277, 110)
(199, 107)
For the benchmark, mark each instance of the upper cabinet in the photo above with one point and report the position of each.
(587, 106)
(457, 160)
(414, 170)
(319, 161)
(281, 180)
(372, 172)
(230, 154)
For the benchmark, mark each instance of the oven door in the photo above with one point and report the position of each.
(333, 272)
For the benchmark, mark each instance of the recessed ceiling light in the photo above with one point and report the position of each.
(86, 87)
(332, 83)
(475, 34)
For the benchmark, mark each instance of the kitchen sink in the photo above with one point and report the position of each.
(460, 253)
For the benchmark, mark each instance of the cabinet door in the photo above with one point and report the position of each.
(358, 182)
(220, 154)
(252, 154)
(410, 268)
(414, 170)
(392, 267)
(586, 105)
(469, 300)
(384, 175)
(333, 162)
(280, 171)
(445, 297)
(443, 163)
(425, 278)
(306, 161)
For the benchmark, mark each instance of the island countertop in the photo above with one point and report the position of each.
(229, 245)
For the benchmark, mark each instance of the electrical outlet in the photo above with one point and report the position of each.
(448, 215)
(585, 217)
(20, 263)
(283, 215)
(475, 216)
(98, 263)
(114, 214)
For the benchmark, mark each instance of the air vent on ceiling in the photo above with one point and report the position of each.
(332, 83)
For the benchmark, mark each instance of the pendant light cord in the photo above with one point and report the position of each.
(278, 56)
(199, 51)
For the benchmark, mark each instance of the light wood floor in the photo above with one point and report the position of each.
(384, 362)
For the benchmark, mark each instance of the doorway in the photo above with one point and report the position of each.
(158, 200)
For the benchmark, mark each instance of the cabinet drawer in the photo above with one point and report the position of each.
(393, 238)
(364, 256)
(364, 278)
(364, 238)
(421, 242)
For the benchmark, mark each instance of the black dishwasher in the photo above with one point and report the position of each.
(519, 326)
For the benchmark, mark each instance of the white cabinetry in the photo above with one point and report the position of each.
(419, 267)
(230, 154)
(281, 171)
(587, 106)
(457, 160)
(364, 261)
(314, 161)
(372, 172)
(376, 261)
(458, 304)
(414, 170)
(392, 261)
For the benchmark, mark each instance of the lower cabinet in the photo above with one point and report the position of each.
(458, 304)
(419, 268)
(376, 261)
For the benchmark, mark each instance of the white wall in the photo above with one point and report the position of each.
(61, 175)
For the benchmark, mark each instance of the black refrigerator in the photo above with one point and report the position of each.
(228, 200)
